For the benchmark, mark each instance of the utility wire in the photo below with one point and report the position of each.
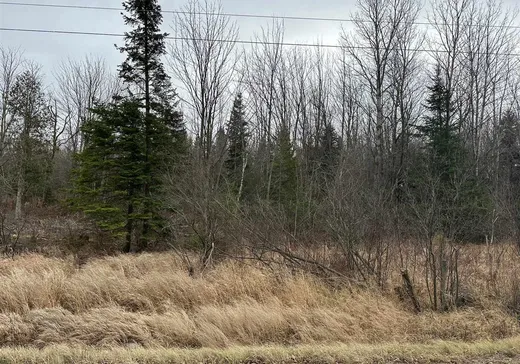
(237, 41)
(248, 42)
(234, 15)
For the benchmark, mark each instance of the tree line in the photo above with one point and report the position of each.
(399, 134)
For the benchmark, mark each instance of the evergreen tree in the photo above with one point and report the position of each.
(440, 130)
(130, 141)
(143, 72)
(442, 150)
(462, 200)
(169, 139)
(237, 135)
(329, 151)
(111, 169)
(284, 173)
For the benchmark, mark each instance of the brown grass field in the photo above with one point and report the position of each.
(148, 309)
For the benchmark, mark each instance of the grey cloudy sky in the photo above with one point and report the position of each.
(49, 49)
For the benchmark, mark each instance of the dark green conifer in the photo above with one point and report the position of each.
(131, 141)
(237, 135)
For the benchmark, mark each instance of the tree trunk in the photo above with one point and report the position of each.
(410, 291)
(129, 228)
(19, 197)
(143, 241)
(241, 187)
(379, 137)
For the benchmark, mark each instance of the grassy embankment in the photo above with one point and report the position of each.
(148, 309)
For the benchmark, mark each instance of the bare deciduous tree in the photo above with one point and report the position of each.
(378, 26)
(347, 96)
(202, 58)
(11, 61)
(405, 91)
(490, 39)
(81, 84)
(30, 110)
(263, 67)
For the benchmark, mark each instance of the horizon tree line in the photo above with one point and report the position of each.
(373, 141)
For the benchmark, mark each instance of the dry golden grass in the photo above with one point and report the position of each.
(151, 301)
(435, 352)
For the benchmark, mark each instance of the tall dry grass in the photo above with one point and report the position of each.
(436, 352)
(150, 300)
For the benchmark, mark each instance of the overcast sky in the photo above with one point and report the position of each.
(50, 49)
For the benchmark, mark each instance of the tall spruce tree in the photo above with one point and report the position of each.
(143, 72)
(285, 168)
(237, 135)
(440, 131)
(130, 140)
(329, 152)
(442, 142)
(462, 201)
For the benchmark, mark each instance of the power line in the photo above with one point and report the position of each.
(240, 41)
(234, 15)
(237, 41)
